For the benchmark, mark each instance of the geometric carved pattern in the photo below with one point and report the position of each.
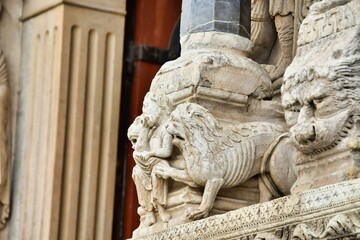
(325, 208)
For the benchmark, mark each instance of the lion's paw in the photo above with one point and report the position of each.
(161, 172)
(165, 217)
(149, 219)
(196, 213)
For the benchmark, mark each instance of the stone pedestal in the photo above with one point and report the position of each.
(213, 73)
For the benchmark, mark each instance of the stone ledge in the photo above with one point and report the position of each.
(294, 210)
(34, 7)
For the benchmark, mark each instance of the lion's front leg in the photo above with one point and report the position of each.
(178, 175)
(211, 190)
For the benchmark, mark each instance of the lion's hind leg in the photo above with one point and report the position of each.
(211, 190)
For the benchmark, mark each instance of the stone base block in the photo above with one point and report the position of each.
(332, 167)
(183, 197)
(330, 212)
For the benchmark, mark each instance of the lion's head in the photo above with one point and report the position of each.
(196, 132)
(321, 89)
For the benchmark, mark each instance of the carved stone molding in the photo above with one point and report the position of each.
(331, 211)
(339, 226)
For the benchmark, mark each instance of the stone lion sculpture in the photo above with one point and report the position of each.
(221, 155)
(321, 95)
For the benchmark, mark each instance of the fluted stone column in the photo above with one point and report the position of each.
(68, 119)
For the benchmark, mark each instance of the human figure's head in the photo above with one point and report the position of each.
(155, 108)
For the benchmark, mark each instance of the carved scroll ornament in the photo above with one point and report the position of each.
(330, 212)
(340, 226)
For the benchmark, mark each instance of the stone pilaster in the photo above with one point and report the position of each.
(68, 119)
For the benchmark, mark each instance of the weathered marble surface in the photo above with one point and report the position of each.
(274, 32)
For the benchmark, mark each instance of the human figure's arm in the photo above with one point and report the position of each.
(164, 148)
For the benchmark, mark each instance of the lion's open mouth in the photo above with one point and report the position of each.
(172, 129)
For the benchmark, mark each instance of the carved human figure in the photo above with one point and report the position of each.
(263, 31)
(282, 12)
(152, 145)
(220, 155)
(4, 143)
(271, 18)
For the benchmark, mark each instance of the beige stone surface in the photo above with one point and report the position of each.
(33, 7)
(209, 67)
(274, 33)
(68, 120)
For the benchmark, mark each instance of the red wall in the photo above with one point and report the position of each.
(154, 23)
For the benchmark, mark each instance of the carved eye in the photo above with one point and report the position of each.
(312, 105)
(292, 113)
(325, 106)
(133, 141)
(294, 109)
(315, 104)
